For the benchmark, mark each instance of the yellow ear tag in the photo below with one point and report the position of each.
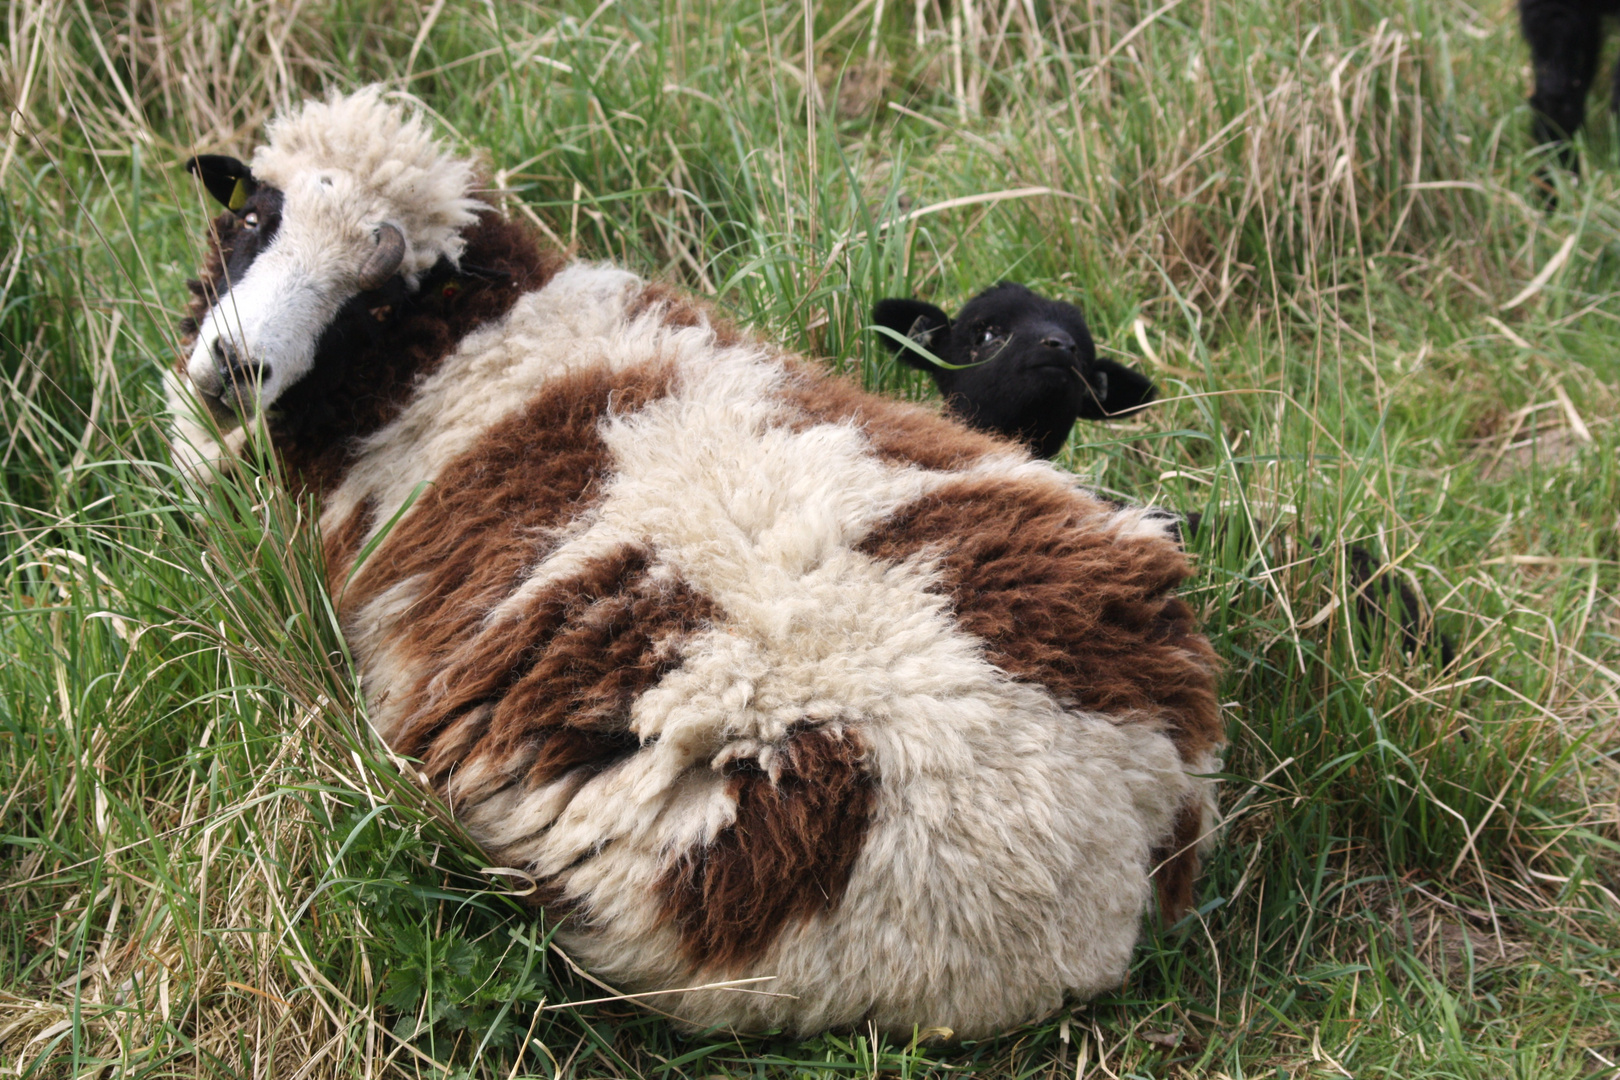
(239, 195)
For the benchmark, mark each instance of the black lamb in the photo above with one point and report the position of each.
(1015, 364)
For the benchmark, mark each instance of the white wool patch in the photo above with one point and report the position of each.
(369, 633)
(1008, 862)
(1144, 523)
(393, 170)
(1201, 775)
(992, 884)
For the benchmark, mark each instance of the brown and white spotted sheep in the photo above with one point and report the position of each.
(756, 673)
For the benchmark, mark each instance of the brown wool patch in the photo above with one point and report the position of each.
(682, 309)
(363, 382)
(535, 698)
(566, 749)
(1034, 572)
(899, 432)
(454, 745)
(551, 689)
(343, 544)
(497, 657)
(579, 652)
(605, 653)
(475, 529)
(787, 857)
(1177, 863)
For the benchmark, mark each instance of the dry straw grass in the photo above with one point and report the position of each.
(1317, 229)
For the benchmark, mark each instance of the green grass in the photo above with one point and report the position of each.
(1307, 220)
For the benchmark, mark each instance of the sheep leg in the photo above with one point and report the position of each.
(1564, 39)
(1614, 93)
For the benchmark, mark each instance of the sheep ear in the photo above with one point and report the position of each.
(228, 180)
(916, 321)
(1118, 391)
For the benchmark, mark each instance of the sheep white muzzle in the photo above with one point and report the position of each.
(261, 336)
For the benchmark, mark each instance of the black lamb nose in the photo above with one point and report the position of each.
(1058, 339)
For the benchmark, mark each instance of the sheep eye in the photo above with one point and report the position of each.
(987, 335)
(251, 219)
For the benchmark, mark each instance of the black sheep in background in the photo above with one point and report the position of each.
(1024, 367)
(1565, 38)
(1020, 365)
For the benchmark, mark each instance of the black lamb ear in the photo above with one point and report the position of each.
(1118, 391)
(917, 321)
(228, 180)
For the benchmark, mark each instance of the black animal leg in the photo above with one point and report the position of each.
(1614, 93)
(1564, 39)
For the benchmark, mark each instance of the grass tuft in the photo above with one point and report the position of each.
(1318, 226)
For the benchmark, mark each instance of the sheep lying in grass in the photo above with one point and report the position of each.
(1023, 366)
(755, 673)
(1566, 38)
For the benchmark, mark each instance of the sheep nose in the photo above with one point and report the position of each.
(1058, 339)
(234, 370)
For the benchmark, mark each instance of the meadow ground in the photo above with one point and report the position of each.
(1316, 224)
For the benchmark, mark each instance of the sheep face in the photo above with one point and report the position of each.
(1018, 364)
(349, 198)
(296, 257)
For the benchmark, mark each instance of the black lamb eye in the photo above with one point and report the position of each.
(987, 335)
(251, 219)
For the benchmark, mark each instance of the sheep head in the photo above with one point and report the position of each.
(350, 201)
(1014, 363)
